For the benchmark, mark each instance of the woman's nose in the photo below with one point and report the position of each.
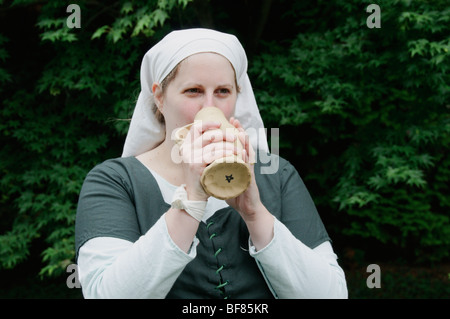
(209, 100)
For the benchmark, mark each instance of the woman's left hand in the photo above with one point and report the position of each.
(259, 221)
(248, 203)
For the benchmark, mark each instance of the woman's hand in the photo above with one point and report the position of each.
(204, 143)
(259, 220)
(248, 203)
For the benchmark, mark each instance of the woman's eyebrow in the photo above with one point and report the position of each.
(194, 84)
(191, 84)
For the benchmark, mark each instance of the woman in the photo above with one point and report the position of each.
(132, 241)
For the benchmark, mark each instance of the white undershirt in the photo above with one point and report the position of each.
(116, 268)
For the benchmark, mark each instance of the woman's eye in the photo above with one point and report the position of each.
(192, 91)
(223, 91)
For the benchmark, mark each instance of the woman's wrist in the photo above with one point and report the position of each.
(182, 228)
(196, 195)
(260, 225)
(181, 200)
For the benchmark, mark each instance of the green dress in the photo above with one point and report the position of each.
(120, 198)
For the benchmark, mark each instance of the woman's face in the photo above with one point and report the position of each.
(202, 80)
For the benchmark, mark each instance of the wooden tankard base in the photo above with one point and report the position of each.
(227, 177)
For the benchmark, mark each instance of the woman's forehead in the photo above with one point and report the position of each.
(207, 58)
(214, 63)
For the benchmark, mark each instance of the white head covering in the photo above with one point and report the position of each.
(145, 132)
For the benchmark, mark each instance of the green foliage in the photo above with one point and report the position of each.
(4, 76)
(70, 116)
(370, 107)
(400, 282)
(375, 102)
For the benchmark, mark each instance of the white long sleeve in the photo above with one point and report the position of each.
(293, 270)
(116, 268)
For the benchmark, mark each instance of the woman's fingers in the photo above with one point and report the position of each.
(205, 132)
(206, 142)
(249, 155)
(211, 152)
(199, 127)
(216, 153)
(236, 124)
(215, 136)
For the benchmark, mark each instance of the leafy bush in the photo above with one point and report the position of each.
(372, 106)
(64, 117)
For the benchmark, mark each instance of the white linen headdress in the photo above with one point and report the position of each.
(146, 132)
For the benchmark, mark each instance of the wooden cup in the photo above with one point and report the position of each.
(226, 177)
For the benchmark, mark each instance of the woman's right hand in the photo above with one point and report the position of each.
(204, 143)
